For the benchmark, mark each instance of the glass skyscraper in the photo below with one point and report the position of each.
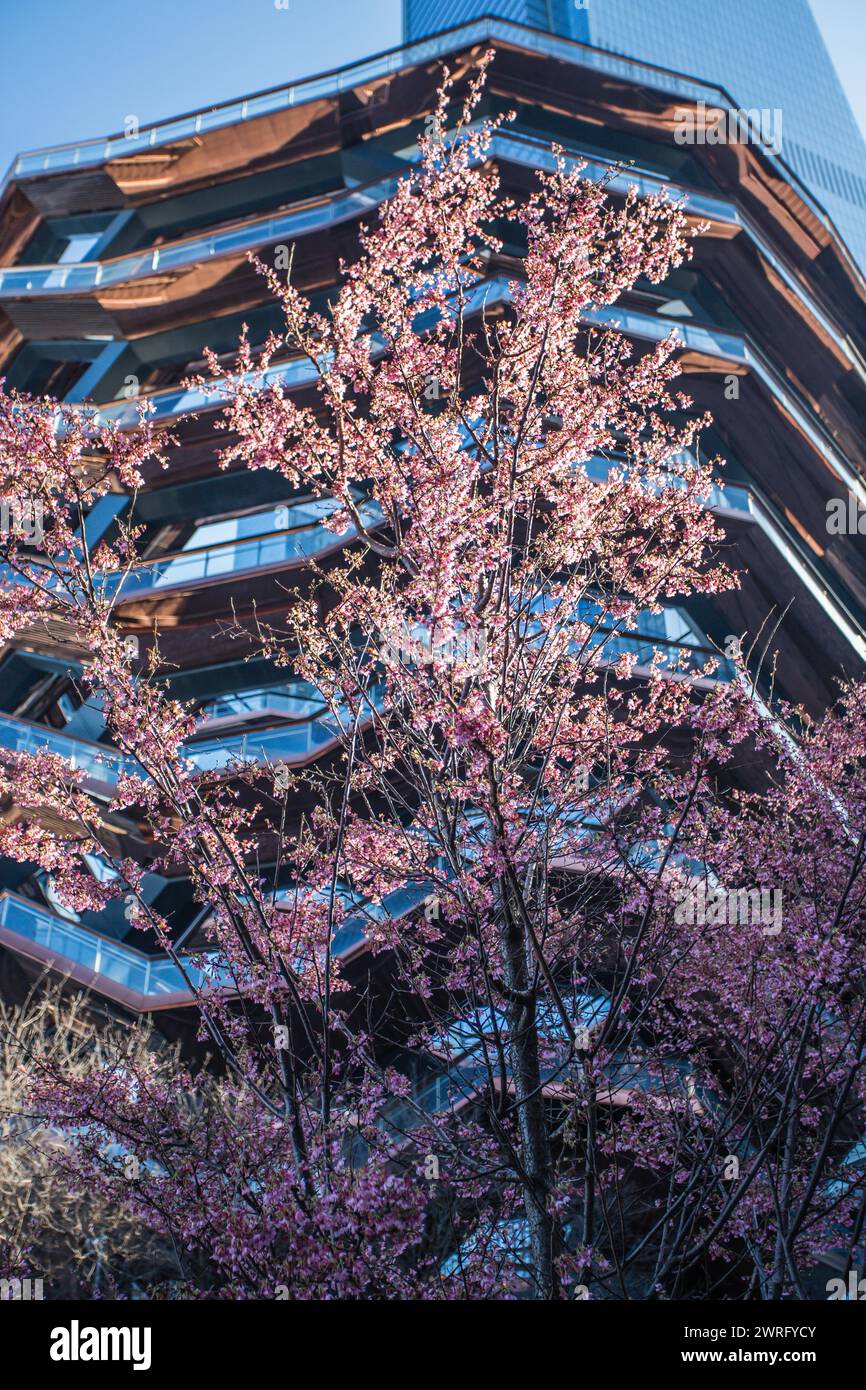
(767, 55)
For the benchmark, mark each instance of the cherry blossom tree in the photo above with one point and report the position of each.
(593, 1071)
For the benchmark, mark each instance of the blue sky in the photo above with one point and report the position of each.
(75, 69)
(843, 25)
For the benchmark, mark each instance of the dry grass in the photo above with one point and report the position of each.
(79, 1244)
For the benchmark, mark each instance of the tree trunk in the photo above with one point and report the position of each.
(545, 1235)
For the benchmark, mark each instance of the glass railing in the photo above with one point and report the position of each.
(87, 275)
(87, 152)
(721, 497)
(392, 906)
(286, 546)
(187, 567)
(150, 977)
(305, 542)
(98, 765)
(287, 743)
(750, 504)
(303, 740)
(668, 638)
(458, 1082)
(494, 292)
(699, 205)
(732, 348)
(700, 338)
(293, 700)
(463, 1081)
(823, 588)
(340, 206)
(154, 977)
(228, 558)
(649, 650)
(346, 204)
(534, 153)
(185, 400)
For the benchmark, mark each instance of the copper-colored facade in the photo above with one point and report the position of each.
(770, 310)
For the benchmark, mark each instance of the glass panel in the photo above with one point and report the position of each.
(113, 960)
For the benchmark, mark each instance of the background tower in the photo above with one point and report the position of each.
(769, 55)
